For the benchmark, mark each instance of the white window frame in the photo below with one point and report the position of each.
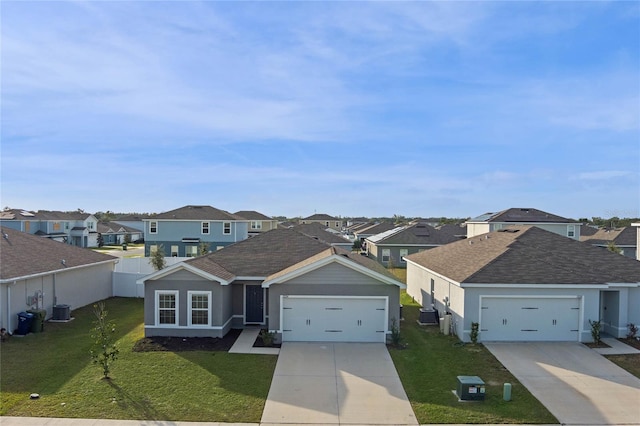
(387, 255)
(337, 224)
(327, 224)
(256, 224)
(219, 248)
(204, 228)
(571, 231)
(175, 293)
(190, 308)
(153, 227)
(190, 252)
(175, 251)
(403, 253)
(226, 228)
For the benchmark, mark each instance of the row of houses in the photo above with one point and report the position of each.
(518, 282)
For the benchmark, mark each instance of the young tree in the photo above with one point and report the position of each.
(103, 350)
(100, 240)
(157, 258)
(127, 238)
(612, 247)
(203, 248)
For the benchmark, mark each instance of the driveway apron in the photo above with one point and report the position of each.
(576, 384)
(336, 383)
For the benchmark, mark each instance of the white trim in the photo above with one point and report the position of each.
(223, 227)
(202, 226)
(191, 293)
(150, 231)
(181, 266)
(536, 286)
(447, 279)
(183, 327)
(157, 294)
(330, 259)
(57, 271)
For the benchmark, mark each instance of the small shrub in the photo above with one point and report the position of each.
(475, 328)
(595, 330)
(267, 337)
(157, 258)
(633, 331)
(396, 338)
(103, 350)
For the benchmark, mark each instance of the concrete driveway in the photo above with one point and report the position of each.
(576, 384)
(336, 383)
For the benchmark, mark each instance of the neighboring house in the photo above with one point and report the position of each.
(623, 238)
(132, 221)
(321, 233)
(390, 247)
(636, 226)
(181, 232)
(372, 229)
(258, 222)
(489, 222)
(38, 273)
(297, 287)
(324, 219)
(114, 233)
(524, 283)
(74, 228)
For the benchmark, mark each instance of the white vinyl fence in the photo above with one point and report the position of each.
(130, 269)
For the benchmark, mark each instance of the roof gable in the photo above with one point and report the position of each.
(321, 216)
(252, 215)
(193, 212)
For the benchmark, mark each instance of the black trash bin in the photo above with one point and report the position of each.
(24, 323)
(37, 324)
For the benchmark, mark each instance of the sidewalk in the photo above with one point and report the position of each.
(617, 347)
(244, 344)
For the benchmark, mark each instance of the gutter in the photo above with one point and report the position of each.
(41, 274)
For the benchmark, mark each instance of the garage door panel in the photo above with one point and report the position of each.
(334, 319)
(529, 319)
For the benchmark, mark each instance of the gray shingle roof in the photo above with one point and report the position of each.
(193, 212)
(527, 255)
(522, 215)
(619, 236)
(416, 234)
(252, 215)
(318, 231)
(270, 253)
(321, 216)
(374, 229)
(23, 254)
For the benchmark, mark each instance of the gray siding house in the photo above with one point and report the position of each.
(490, 222)
(623, 238)
(523, 283)
(38, 273)
(300, 288)
(258, 222)
(323, 219)
(390, 247)
(183, 231)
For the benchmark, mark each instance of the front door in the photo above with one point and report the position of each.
(254, 304)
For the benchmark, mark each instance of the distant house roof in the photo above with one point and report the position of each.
(413, 235)
(458, 231)
(374, 228)
(619, 236)
(525, 254)
(113, 227)
(522, 215)
(130, 218)
(321, 216)
(25, 255)
(192, 212)
(271, 253)
(252, 215)
(19, 214)
(319, 232)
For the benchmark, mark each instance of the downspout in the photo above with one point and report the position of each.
(9, 328)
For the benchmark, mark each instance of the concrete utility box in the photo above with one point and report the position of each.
(470, 388)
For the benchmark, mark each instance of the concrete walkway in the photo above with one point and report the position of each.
(244, 344)
(336, 383)
(576, 384)
(617, 347)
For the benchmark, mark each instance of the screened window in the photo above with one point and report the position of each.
(226, 228)
(199, 307)
(256, 224)
(205, 228)
(167, 307)
(403, 253)
(386, 255)
(571, 231)
(174, 251)
(191, 251)
(153, 227)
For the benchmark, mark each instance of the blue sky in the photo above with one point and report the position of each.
(347, 108)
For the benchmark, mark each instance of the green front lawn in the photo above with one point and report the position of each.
(428, 367)
(189, 386)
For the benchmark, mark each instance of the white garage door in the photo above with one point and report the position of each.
(529, 319)
(333, 319)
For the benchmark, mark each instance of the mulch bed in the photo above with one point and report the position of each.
(631, 342)
(180, 344)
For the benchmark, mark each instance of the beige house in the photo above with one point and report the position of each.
(258, 222)
(324, 219)
(490, 222)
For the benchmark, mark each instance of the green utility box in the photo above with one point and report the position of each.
(37, 324)
(470, 388)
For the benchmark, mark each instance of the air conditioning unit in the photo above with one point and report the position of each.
(61, 312)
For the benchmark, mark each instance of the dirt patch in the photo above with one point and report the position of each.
(180, 344)
(631, 342)
(596, 345)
